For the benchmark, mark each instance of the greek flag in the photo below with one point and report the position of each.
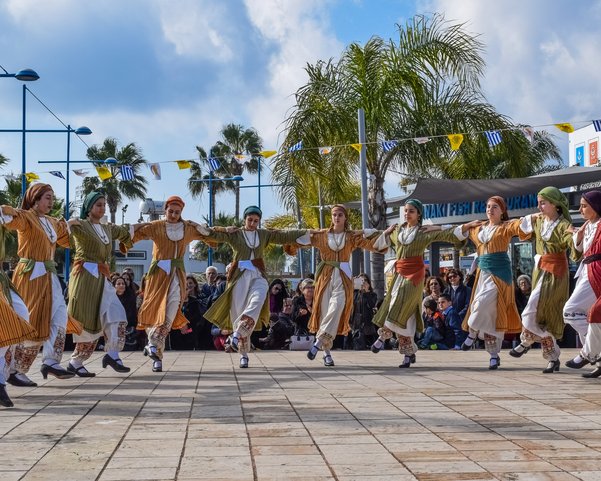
(57, 173)
(597, 125)
(493, 137)
(213, 163)
(388, 145)
(127, 172)
(297, 146)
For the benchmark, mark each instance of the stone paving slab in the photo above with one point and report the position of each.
(286, 418)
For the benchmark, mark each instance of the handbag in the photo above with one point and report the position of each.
(302, 342)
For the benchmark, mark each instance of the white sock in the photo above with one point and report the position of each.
(318, 343)
(114, 354)
(326, 353)
(76, 363)
(379, 343)
(578, 359)
(469, 341)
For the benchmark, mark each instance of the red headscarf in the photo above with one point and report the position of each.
(33, 194)
(174, 199)
(501, 203)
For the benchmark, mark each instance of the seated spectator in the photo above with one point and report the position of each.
(281, 328)
(522, 292)
(452, 323)
(363, 332)
(193, 308)
(277, 294)
(435, 330)
(432, 289)
(460, 296)
(220, 337)
(208, 288)
(302, 306)
(130, 272)
(128, 299)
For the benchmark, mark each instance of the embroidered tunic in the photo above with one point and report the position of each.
(409, 244)
(92, 255)
(33, 276)
(246, 260)
(170, 244)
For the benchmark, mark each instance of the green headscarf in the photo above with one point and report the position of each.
(253, 209)
(556, 197)
(88, 202)
(419, 206)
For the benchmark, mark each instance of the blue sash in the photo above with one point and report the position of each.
(497, 264)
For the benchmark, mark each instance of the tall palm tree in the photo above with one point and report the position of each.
(238, 150)
(116, 188)
(426, 83)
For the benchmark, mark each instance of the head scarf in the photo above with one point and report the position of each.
(33, 194)
(343, 209)
(252, 209)
(174, 199)
(556, 197)
(419, 206)
(89, 202)
(501, 203)
(593, 198)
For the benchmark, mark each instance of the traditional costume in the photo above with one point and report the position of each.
(333, 299)
(244, 305)
(92, 298)
(14, 326)
(36, 280)
(492, 310)
(165, 287)
(542, 319)
(585, 302)
(400, 313)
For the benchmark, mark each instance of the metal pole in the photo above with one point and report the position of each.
(300, 251)
(210, 253)
(259, 184)
(363, 168)
(67, 251)
(23, 162)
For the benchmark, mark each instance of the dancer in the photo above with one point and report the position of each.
(165, 289)
(542, 318)
(585, 303)
(400, 312)
(14, 326)
(243, 305)
(36, 280)
(92, 298)
(334, 281)
(492, 310)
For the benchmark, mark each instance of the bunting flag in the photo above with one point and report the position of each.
(214, 164)
(30, 176)
(357, 147)
(528, 133)
(565, 127)
(127, 173)
(422, 140)
(597, 125)
(57, 173)
(104, 173)
(388, 145)
(455, 141)
(297, 146)
(267, 153)
(493, 137)
(241, 158)
(80, 172)
(183, 164)
(155, 169)
(325, 150)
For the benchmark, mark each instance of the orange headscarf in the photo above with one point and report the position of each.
(501, 203)
(33, 194)
(174, 199)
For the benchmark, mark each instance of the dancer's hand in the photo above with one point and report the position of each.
(390, 229)
(72, 222)
(230, 229)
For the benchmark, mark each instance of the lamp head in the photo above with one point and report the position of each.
(238, 178)
(27, 75)
(83, 130)
(110, 160)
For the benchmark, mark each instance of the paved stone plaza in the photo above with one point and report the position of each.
(203, 418)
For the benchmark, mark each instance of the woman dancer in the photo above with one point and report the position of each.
(36, 281)
(92, 298)
(400, 312)
(243, 305)
(334, 281)
(585, 303)
(165, 290)
(542, 318)
(14, 326)
(492, 310)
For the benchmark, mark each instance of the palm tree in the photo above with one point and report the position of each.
(426, 84)
(117, 188)
(238, 150)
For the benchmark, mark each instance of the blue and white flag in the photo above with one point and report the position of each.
(388, 145)
(127, 172)
(493, 137)
(214, 163)
(297, 146)
(597, 125)
(57, 173)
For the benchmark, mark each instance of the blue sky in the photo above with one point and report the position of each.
(168, 74)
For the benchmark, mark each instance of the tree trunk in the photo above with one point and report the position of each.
(377, 220)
